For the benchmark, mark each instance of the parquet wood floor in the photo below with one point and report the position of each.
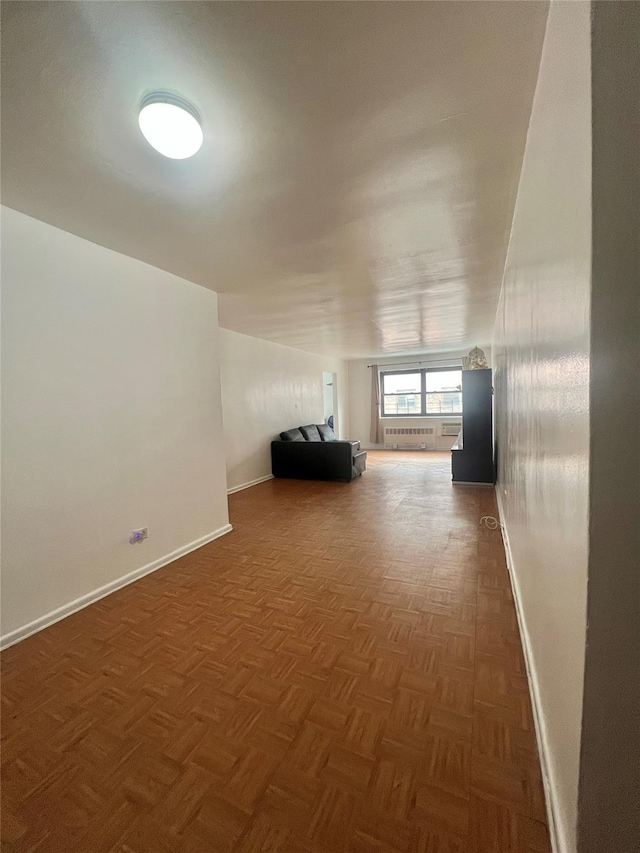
(342, 673)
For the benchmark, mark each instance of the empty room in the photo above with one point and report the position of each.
(320, 421)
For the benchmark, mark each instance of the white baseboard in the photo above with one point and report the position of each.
(25, 631)
(442, 449)
(551, 799)
(250, 483)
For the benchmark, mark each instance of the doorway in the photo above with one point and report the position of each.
(330, 398)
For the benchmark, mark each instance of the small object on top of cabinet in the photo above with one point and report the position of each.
(476, 360)
(472, 454)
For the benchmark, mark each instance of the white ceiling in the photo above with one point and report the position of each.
(356, 186)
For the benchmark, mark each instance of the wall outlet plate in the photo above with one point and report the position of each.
(139, 535)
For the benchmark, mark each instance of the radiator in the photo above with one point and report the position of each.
(451, 428)
(418, 438)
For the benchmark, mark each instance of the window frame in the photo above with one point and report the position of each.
(423, 392)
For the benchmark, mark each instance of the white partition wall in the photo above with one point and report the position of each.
(111, 421)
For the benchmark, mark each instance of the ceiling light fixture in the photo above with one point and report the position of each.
(171, 125)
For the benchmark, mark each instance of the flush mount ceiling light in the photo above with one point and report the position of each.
(171, 125)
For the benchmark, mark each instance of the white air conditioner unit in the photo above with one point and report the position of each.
(411, 438)
(451, 428)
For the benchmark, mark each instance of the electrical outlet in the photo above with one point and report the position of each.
(139, 535)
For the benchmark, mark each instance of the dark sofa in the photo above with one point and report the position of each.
(312, 452)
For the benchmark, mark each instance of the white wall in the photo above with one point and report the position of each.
(327, 392)
(541, 376)
(360, 395)
(268, 388)
(111, 417)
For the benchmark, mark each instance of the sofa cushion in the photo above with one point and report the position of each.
(326, 433)
(310, 432)
(292, 435)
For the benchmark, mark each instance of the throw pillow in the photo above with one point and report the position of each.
(292, 435)
(310, 432)
(326, 433)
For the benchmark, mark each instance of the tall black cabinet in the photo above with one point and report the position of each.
(472, 454)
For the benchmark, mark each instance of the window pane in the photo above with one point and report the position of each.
(402, 404)
(447, 403)
(446, 380)
(395, 383)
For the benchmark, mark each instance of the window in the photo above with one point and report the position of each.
(421, 393)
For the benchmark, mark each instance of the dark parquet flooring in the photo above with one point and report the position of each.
(342, 672)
